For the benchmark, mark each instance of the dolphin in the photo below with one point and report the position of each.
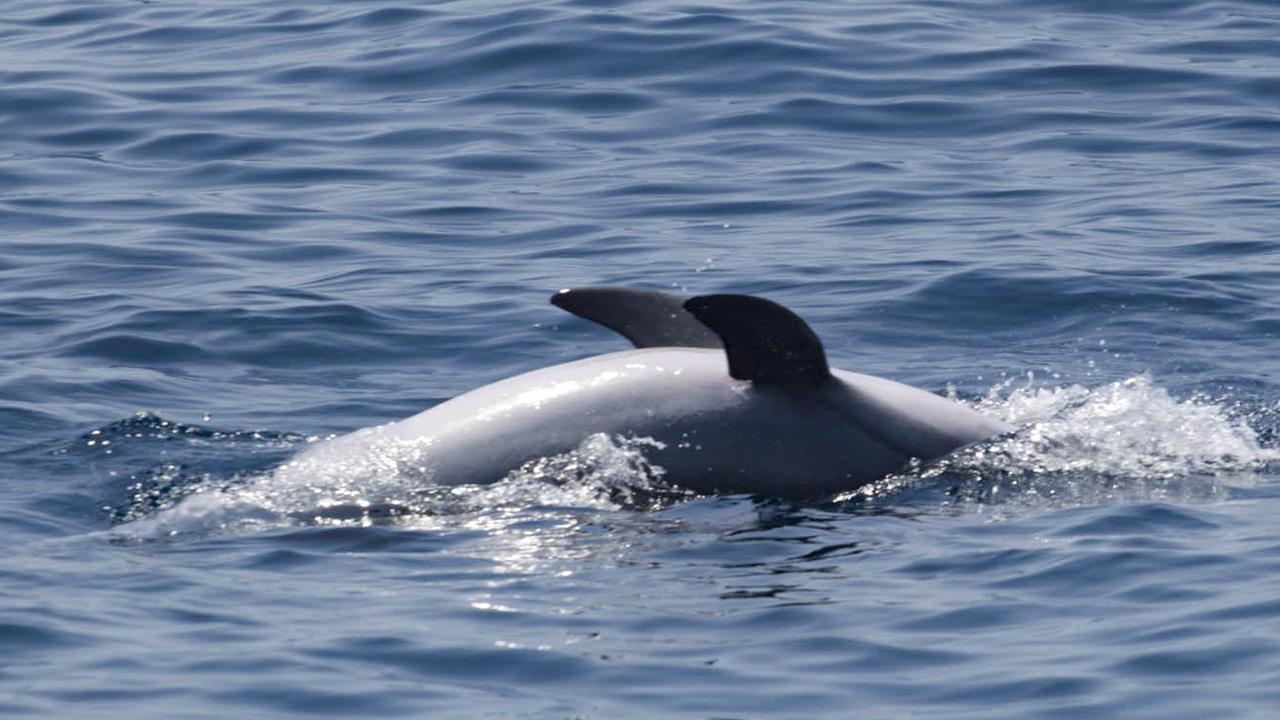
(734, 389)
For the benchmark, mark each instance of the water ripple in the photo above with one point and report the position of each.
(271, 223)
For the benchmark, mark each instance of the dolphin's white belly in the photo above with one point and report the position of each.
(719, 433)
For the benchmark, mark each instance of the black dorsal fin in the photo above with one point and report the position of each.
(765, 342)
(647, 318)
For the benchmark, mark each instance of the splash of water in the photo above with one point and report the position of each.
(1128, 440)
(603, 472)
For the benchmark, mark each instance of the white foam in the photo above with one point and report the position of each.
(1126, 440)
(603, 472)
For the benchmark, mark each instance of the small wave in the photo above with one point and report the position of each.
(193, 456)
(602, 473)
(1129, 440)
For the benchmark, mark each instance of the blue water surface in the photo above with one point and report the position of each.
(232, 229)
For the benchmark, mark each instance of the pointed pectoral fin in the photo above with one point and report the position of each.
(645, 317)
(765, 342)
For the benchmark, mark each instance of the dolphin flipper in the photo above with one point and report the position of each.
(645, 317)
(765, 342)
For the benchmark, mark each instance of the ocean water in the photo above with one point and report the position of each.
(230, 230)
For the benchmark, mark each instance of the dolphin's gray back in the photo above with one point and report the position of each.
(916, 422)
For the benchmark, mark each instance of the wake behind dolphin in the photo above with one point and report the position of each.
(734, 390)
